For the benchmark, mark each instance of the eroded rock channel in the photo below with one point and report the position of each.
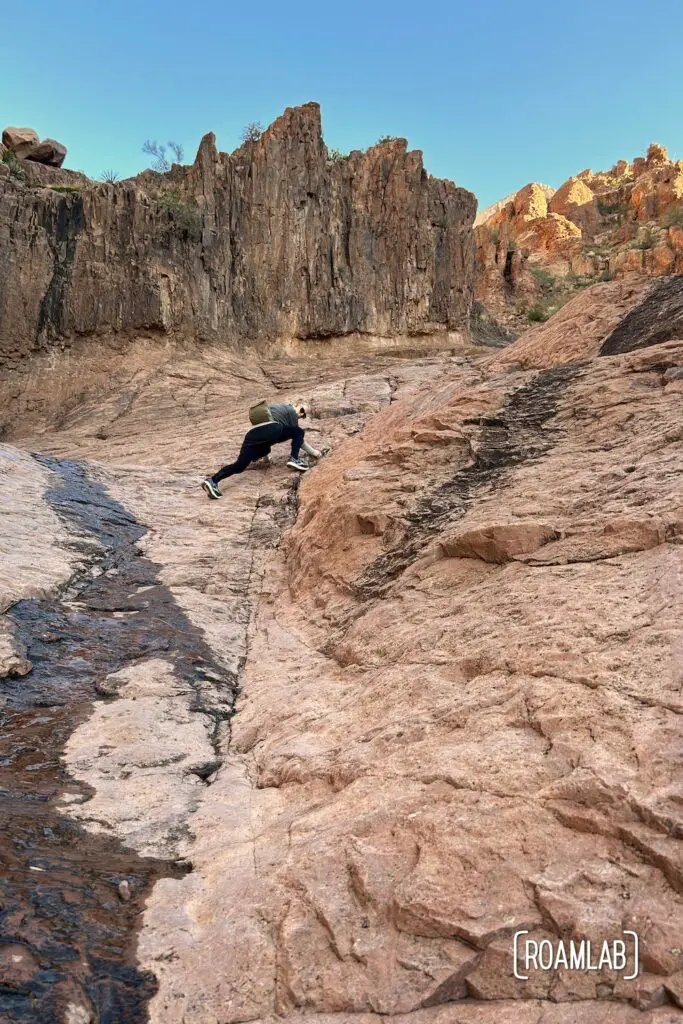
(71, 899)
(459, 676)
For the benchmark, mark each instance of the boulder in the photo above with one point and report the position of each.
(549, 234)
(531, 202)
(47, 152)
(575, 201)
(656, 155)
(20, 140)
(499, 542)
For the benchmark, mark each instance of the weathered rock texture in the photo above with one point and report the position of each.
(20, 141)
(25, 144)
(537, 247)
(274, 240)
(460, 673)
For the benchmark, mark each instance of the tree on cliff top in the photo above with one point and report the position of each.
(252, 132)
(161, 163)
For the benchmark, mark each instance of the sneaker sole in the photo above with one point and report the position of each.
(208, 490)
(302, 469)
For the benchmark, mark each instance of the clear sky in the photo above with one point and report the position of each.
(494, 93)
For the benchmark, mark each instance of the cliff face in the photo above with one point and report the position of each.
(273, 240)
(537, 247)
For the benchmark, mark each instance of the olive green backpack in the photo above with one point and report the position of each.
(260, 413)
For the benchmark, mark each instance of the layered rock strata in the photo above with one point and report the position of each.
(274, 240)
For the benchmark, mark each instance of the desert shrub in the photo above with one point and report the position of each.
(646, 238)
(386, 138)
(65, 188)
(544, 278)
(673, 217)
(494, 236)
(486, 330)
(109, 176)
(538, 314)
(579, 280)
(336, 155)
(160, 162)
(183, 211)
(16, 171)
(606, 208)
(598, 249)
(252, 132)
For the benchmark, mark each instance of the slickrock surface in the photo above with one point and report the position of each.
(274, 240)
(33, 558)
(579, 329)
(460, 680)
(537, 247)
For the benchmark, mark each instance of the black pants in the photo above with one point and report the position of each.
(257, 444)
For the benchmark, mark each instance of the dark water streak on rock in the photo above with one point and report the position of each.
(59, 901)
(518, 434)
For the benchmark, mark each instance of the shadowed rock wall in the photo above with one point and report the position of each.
(273, 240)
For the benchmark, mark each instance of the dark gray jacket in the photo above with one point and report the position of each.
(285, 414)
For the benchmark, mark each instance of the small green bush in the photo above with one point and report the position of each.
(10, 160)
(184, 212)
(538, 314)
(647, 238)
(579, 280)
(65, 188)
(386, 138)
(336, 155)
(544, 278)
(605, 208)
(494, 235)
(673, 217)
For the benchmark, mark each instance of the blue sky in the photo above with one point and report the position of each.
(494, 93)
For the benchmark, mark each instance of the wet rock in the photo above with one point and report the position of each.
(12, 658)
(17, 966)
(428, 752)
(34, 557)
